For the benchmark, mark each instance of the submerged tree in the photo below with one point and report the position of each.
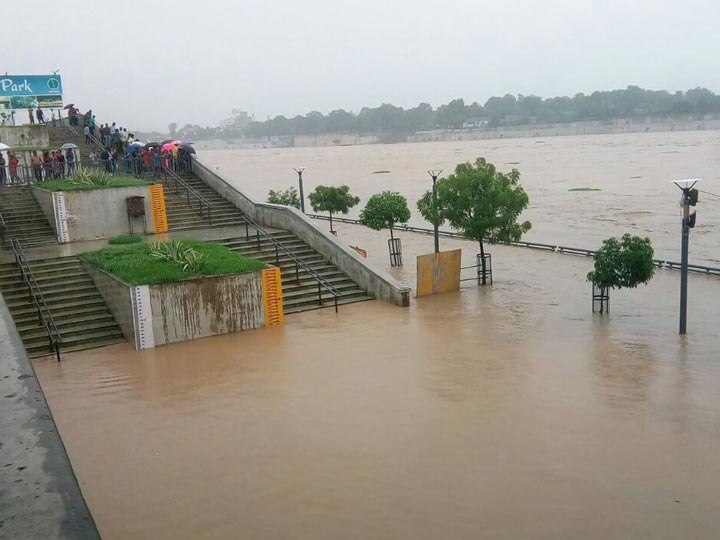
(332, 199)
(385, 210)
(480, 202)
(288, 197)
(624, 263)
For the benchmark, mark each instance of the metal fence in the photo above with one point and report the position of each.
(557, 248)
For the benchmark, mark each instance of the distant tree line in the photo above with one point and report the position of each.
(509, 110)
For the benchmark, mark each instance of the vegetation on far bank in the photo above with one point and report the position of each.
(160, 262)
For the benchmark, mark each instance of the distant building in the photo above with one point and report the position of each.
(238, 119)
(476, 122)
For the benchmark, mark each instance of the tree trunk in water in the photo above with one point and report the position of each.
(602, 299)
(482, 262)
(331, 229)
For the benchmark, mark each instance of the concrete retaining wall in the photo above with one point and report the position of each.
(96, 213)
(207, 306)
(151, 315)
(374, 280)
(118, 297)
(24, 138)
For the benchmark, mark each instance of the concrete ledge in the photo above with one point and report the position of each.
(374, 280)
(39, 494)
(92, 214)
(162, 313)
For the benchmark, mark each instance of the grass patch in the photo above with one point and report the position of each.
(584, 189)
(125, 239)
(136, 265)
(119, 180)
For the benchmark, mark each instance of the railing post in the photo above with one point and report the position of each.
(277, 256)
(297, 272)
(319, 294)
(258, 237)
(247, 231)
(57, 350)
(336, 309)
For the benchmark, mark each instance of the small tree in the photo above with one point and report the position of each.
(624, 263)
(480, 202)
(288, 197)
(385, 210)
(332, 199)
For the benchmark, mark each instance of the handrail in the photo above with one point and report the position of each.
(660, 263)
(322, 282)
(189, 190)
(35, 294)
(3, 229)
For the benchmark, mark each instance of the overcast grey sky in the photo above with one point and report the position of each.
(148, 63)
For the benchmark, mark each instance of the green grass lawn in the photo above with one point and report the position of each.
(135, 264)
(119, 180)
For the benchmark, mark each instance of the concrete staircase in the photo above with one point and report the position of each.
(76, 306)
(60, 135)
(181, 215)
(302, 294)
(23, 217)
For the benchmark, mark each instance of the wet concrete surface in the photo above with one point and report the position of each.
(503, 412)
(39, 494)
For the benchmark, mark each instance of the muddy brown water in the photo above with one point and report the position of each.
(508, 412)
(631, 171)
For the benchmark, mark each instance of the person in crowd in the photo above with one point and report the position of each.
(36, 164)
(3, 172)
(54, 168)
(61, 163)
(13, 167)
(40, 116)
(91, 125)
(47, 165)
(86, 132)
(70, 161)
(86, 117)
(105, 158)
(114, 154)
(103, 139)
(156, 161)
(147, 159)
(92, 156)
(72, 116)
(31, 115)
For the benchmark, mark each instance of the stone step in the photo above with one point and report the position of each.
(60, 315)
(60, 308)
(14, 279)
(47, 285)
(89, 340)
(69, 330)
(299, 307)
(310, 290)
(53, 301)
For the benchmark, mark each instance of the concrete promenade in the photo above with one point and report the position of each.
(39, 494)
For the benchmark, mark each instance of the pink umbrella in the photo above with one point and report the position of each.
(167, 147)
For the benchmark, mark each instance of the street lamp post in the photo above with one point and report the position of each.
(434, 173)
(299, 171)
(689, 197)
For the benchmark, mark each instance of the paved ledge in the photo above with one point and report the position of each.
(39, 494)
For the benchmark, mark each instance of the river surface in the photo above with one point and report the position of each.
(505, 412)
(632, 172)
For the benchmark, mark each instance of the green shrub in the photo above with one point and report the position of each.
(125, 239)
(178, 252)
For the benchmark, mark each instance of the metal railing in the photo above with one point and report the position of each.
(322, 283)
(194, 198)
(660, 263)
(35, 294)
(3, 229)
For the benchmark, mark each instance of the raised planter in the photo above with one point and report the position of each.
(162, 313)
(98, 213)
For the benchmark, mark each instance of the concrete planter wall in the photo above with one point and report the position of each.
(152, 315)
(373, 280)
(92, 214)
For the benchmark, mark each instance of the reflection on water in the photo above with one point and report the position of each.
(632, 172)
(504, 412)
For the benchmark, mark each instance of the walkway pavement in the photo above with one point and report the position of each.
(39, 494)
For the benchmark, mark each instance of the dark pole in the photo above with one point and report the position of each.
(434, 175)
(687, 199)
(684, 260)
(299, 171)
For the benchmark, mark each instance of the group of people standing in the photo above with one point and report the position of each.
(12, 164)
(52, 164)
(32, 113)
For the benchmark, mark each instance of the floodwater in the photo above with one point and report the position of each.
(632, 172)
(505, 412)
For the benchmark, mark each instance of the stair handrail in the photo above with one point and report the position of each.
(322, 282)
(189, 191)
(35, 294)
(3, 229)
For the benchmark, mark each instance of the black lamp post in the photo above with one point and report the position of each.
(299, 171)
(689, 198)
(434, 173)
